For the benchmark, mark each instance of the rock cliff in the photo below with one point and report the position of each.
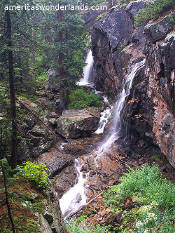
(149, 114)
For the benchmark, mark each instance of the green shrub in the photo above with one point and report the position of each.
(80, 99)
(34, 172)
(153, 11)
(154, 199)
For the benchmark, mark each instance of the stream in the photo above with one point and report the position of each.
(76, 197)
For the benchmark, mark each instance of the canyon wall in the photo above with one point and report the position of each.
(149, 114)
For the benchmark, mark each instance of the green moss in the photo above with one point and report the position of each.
(101, 16)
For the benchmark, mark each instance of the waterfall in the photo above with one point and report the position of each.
(75, 197)
(114, 131)
(87, 71)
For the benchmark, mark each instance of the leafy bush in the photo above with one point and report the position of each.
(153, 11)
(153, 197)
(34, 172)
(80, 99)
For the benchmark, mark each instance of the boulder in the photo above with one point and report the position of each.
(38, 131)
(55, 161)
(77, 123)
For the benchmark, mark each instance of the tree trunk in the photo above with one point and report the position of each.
(60, 37)
(13, 159)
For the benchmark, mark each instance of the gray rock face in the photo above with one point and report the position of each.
(51, 221)
(149, 111)
(55, 161)
(76, 123)
(134, 7)
(116, 43)
(158, 31)
(118, 27)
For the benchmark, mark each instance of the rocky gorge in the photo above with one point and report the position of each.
(117, 44)
(134, 67)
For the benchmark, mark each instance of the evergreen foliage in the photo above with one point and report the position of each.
(153, 11)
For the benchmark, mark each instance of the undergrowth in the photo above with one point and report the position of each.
(144, 201)
(80, 225)
(23, 196)
(80, 99)
(153, 10)
(34, 172)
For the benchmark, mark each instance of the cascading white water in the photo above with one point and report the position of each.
(62, 145)
(104, 117)
(75, 197)
(87, 71)
(72, 200)
(116, 126)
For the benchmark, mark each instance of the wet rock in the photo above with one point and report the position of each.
(65, 180)
(55, 161)
(158, 31)
(134, 7)
(118, 27)
(38, 131)
(116, 45)
(75, 149)
(90, 16)
(76, 123)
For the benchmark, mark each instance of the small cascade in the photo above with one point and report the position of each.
(116, 126)
(75, 197)
(104, 117)
(62, 146)
(87, 71)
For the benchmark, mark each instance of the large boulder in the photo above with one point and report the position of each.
(55, 161)
(77, 123)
